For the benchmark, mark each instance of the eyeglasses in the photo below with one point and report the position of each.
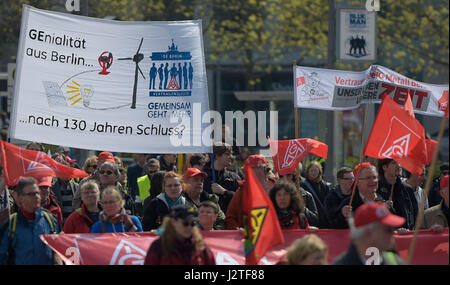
(93, 166)
(348, 179)
(108, 172)
(30, 194)
(369, 178)
(188, 223)
(108, 202)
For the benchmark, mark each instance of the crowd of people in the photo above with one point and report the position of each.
(151, 195)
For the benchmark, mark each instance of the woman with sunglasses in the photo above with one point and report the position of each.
(113, 218)
(181, 242)
(159, 207)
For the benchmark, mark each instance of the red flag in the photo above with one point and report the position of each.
(261, 226)
(397, 135)
(443, 103)
(17, 161)
(287, 154)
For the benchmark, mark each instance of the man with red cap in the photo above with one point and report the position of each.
(194, 194)
(48, 201)
(260, 167)
(372, 230)
(436, 217)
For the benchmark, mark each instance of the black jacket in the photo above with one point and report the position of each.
(339, 220)
(405, 204)
(155, 211)
(311, 209)
(351, 257)
(319, 192)
(226, 179)
(333, 207)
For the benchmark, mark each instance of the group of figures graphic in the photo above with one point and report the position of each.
(357, 43)
(184, 73)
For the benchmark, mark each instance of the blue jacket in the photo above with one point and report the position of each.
(27, 245)
(118, 228)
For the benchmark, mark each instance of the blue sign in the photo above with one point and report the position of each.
(174, 72)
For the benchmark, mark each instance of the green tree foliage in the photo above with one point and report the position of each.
(261, 36)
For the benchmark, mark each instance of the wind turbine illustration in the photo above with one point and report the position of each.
(136, 58)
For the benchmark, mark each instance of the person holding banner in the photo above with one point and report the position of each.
(319, 189)
(82, 219)
(113, 218)
(366, 176)
(392, 189)
(223, 183)
(181, 242)
(19, 241)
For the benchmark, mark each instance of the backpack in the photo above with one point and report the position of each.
(12, 231)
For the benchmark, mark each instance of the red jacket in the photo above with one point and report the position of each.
(52, 206)
(183, 254)
(78, 222)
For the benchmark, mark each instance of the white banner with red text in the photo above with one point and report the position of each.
(228, 247)
(120, 86)
(338, 90)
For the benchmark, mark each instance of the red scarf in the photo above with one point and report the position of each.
(120, 217)
(30, 216)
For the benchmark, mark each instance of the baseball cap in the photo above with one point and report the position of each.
(106, 157)
(444, 182)
(255, 159)
(376, 212)
(191, 172)
(358, 168)
(184, 212)
(45, 181)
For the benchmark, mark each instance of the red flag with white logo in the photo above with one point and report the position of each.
(17, 161)
(262, 229)
(397, 135)
(287, 154)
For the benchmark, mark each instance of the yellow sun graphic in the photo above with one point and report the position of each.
(75, 89)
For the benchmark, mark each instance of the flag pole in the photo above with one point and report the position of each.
(366, 114)
(297, 170)
(419, 218)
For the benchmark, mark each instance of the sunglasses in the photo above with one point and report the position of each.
(188, 223)
(108, 172)
(93, 166)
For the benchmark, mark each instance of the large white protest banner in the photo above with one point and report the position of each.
(110, 85)
(338, 90)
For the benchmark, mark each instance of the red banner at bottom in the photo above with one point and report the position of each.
(228, 247)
